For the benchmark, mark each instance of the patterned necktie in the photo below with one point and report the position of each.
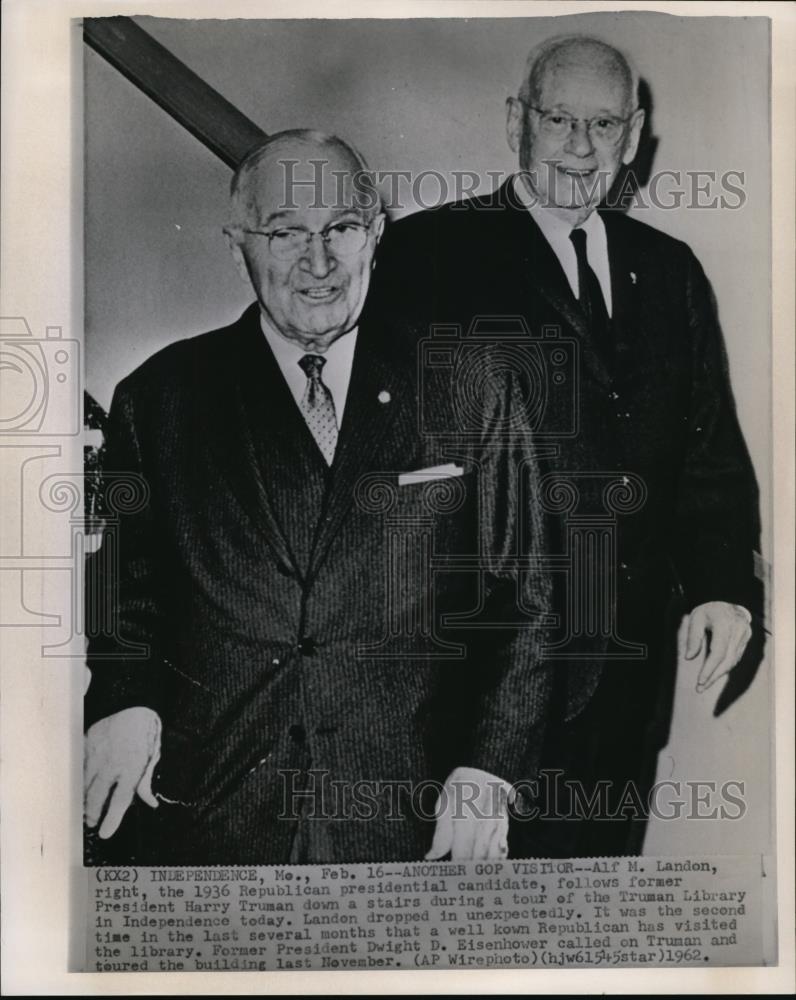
(591, 295)
(317, 406)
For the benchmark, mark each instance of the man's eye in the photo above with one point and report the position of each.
(285, 235)
(604, 122)
(557, 119)
(342, 228)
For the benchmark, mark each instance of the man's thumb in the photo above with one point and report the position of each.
(144, 787)
(443, 838)
(695, 635)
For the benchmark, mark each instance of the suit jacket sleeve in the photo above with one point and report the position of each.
(125, 639)
(717, 526)
(516, 683)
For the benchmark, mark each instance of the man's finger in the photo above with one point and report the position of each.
(498, 846)
(464, 835)
(695, 634)
(719, 645)
(720, 670)
(682, 632)
(95, 797)
(443, 837)
(735, 650)
(90, 770)
(144, 786)
(484, 831)
(121, 798)
(493, 851)
(742, 643)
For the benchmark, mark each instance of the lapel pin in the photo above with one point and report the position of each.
(633, 277)
(384, 396)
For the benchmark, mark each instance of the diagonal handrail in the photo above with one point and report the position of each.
(183, 94)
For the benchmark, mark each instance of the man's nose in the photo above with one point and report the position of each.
(317, 257)
(579, 141)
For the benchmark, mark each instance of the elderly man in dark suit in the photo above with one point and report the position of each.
(648, 487)
(322, 616)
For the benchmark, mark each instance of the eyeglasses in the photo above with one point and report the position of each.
(558, 125)
(343, 239)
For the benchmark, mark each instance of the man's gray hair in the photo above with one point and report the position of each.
(541, 56)
(241, 195)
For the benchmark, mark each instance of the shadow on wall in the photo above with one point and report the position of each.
(635, 176)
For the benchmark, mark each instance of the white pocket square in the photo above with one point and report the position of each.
(432, 472)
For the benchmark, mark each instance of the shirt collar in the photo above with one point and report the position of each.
(339, 357)
(340, 353)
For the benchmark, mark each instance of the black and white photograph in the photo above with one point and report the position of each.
(294, 610)
(417, 589)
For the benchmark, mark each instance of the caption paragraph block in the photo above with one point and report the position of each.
(621, 912)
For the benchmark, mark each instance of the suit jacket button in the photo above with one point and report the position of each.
(307, 647)
(297, 734)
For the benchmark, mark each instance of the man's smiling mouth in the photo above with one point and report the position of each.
(320, 293)
(576, 172)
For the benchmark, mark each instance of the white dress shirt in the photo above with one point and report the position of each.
(336, 372)
(556, 231)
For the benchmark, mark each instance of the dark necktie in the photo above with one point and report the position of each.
(591, 295)
(317, 406)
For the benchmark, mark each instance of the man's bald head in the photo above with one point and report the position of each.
(301, 165)
(566, 53)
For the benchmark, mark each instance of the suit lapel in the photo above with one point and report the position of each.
(537, 268)
(540, 268)
(628, 267)
(379, 428)
(265, 449)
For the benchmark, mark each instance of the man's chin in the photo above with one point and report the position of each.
(579, 191)
(321, 331)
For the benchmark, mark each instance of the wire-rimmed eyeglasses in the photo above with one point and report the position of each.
(560, 125)
(342, 239)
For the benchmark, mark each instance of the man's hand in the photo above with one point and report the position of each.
(472, 817)
(120, 755)
(729, 628)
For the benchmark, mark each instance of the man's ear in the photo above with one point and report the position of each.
(378, 225)
(232, 234)
(514, 122)
(634, 135)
